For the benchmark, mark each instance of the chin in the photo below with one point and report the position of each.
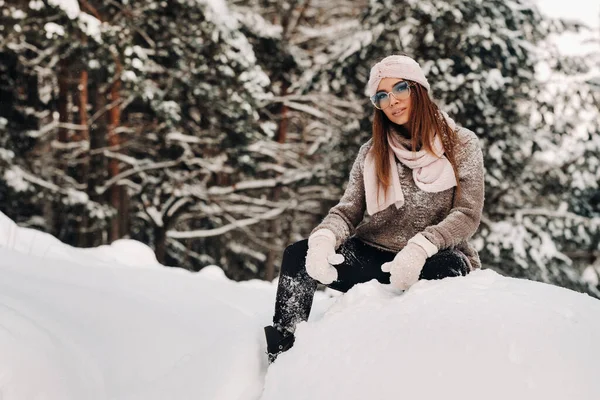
(400, 121)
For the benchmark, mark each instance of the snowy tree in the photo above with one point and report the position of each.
(559, 221)
(43, 112)
(306, 125)
(169, 134)
(481, 59)
(221, 132)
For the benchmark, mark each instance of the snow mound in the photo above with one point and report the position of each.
(483, 336)
(212, 272)
(124, 252)
(79, 329)
(69, 332)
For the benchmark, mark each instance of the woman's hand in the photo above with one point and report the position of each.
(321, 249)
(406, 267)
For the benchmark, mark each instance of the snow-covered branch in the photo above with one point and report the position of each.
(519, 214)
(135, 170)
(203, 233)
(122, 157)
(260, 183)
(49, 127)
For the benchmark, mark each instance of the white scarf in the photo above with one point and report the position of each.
(431, 173)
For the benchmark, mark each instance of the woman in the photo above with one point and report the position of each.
(421, 181)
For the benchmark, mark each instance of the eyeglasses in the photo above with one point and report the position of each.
(400, 91)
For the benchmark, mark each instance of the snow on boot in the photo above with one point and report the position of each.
(277, 342)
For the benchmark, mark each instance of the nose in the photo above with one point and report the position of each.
(393, 99)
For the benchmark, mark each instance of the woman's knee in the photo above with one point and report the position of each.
(446, 263)
(294, 258)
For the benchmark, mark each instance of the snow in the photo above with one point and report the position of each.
(129, 76)
(32, 242)
(84, 332)
(89, 24)
(53, 29)
(87, 325)
(586, 11)
(70, 7)
(483, 336)
(18, 14)
(218, 11)
(590, 275)
(76, 197)
(137, 64)
(6, 155)
(33, 4)
(14, 178)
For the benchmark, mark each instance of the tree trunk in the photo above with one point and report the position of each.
(275, 224)
(46, 157)
(275, 231)
(83, 136)
(160, 243)
(114, 142)
(63, 100)
(98, 133)
(59, 221)
(124, 211)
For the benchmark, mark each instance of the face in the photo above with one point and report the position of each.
(399, 108)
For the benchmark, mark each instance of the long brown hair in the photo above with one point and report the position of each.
(426, 120)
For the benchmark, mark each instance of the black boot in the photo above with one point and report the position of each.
(277, 342)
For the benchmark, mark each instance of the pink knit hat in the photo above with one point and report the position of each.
(395, 67)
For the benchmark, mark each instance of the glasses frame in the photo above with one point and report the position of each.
(388, 94)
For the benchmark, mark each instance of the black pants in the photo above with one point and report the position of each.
(362, 263)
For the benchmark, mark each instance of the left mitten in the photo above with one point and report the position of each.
(406, 266)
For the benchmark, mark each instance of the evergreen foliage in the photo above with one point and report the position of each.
(218, 132)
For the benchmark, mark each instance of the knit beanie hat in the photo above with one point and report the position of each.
(395, 67)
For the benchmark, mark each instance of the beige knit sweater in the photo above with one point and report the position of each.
(445, 221)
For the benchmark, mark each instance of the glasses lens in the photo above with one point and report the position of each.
(401, 90)
(380, 100)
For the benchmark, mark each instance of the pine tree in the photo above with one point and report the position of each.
(221, 132)
(41, 46)
(481, 59)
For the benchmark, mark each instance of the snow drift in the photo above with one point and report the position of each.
(84, 325)
(72, 331)
(479, 337)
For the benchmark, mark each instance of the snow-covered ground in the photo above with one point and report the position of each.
(93, 327)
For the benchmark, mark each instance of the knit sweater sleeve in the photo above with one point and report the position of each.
(343, 218)
(464, 217)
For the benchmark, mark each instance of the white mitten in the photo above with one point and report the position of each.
(406, 267)
(321, 249)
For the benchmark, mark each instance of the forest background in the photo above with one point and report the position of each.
(218, 132)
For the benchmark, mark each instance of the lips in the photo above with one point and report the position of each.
(397, 112)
